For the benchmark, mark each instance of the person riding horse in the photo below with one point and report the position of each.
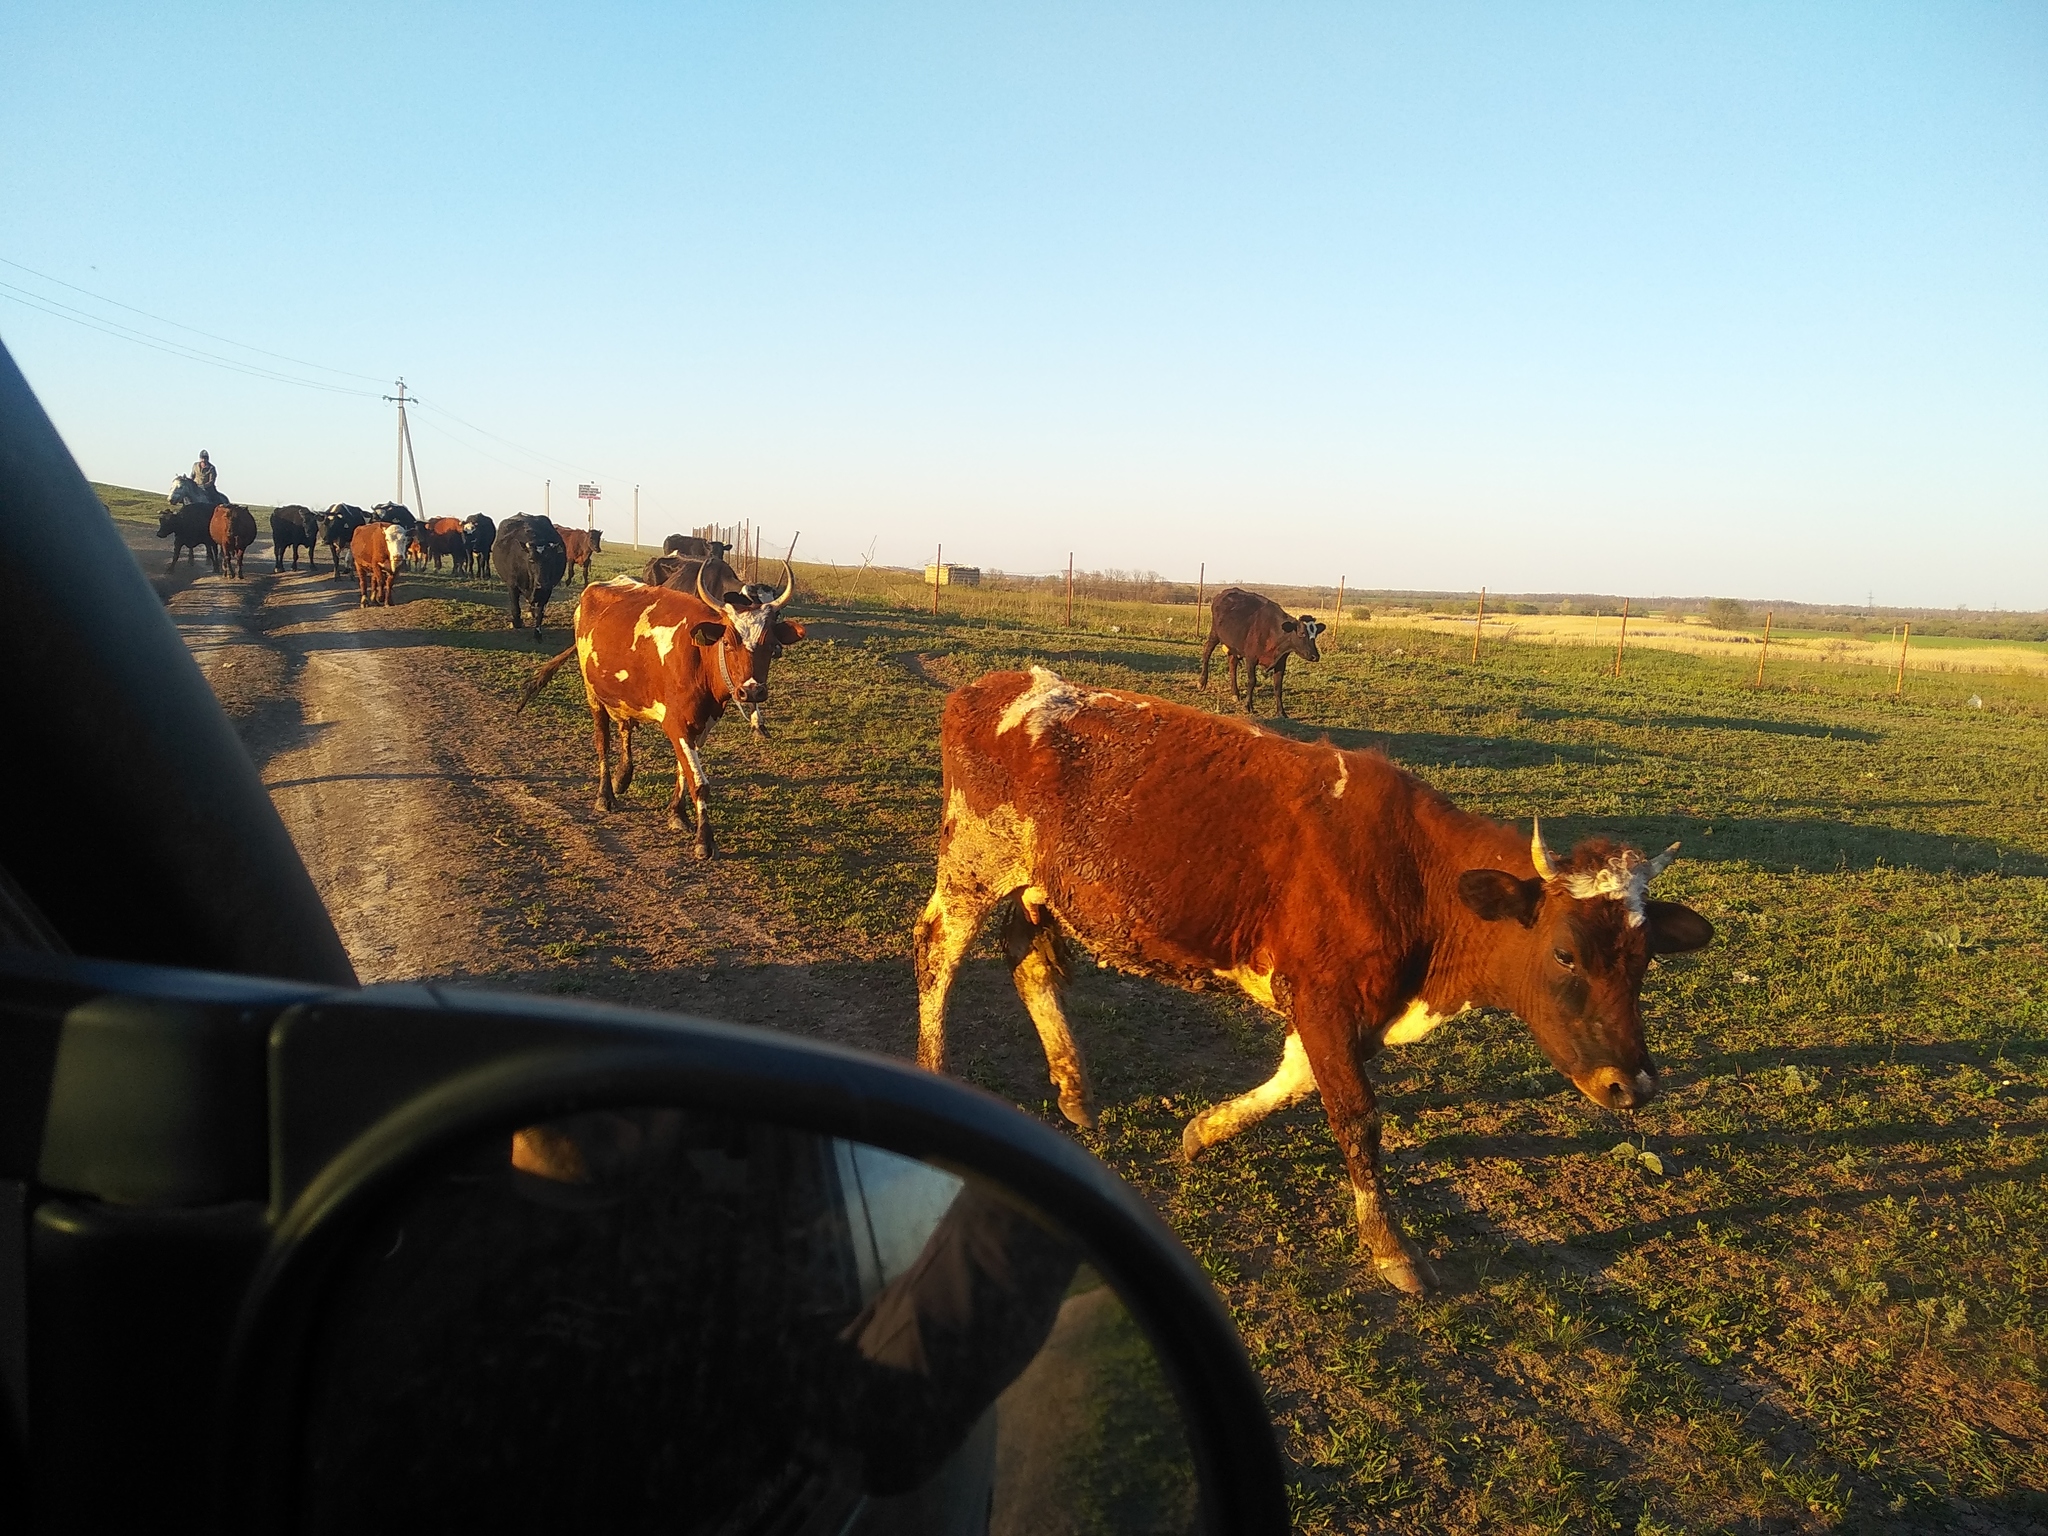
(203, 473)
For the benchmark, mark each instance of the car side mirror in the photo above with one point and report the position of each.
(536, 1264)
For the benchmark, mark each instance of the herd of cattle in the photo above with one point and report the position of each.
(1333, 888)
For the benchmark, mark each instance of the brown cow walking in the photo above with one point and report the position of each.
(678, 660)
(442, 538)
(1264, 634)
(234, 530)
(1349, 898)
(582, 543)
(377, 550)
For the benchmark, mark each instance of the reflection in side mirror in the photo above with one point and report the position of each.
(664, 1319)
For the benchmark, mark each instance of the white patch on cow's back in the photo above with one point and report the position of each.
(663, 635)
(622, 674)
(1417, 1020)
(1049, 700)
(1343, 778)
(622, 581)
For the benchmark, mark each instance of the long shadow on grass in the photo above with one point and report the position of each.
(1806, 845)
(1708, 723)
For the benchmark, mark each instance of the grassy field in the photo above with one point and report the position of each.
(1824, 1313)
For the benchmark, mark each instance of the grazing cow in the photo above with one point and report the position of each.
(294, 528)
(1264, 634)
(189, 526)
(580, 544)
(479, 532)
(377, 550)
(677, 659)
(1332, 888)
(338, 525)
(234, 530)
(529, 558)
(439, 538)
(694, 548)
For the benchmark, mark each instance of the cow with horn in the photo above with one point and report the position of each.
(1345, 896)
(679, 660)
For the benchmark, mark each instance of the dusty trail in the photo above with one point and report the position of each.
(454, 842)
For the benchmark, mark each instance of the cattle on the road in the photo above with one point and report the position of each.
(338, 525)
(442, 539)
(1264, 634)
(293, 528)
(694, 548)
(377, 550)
(579, 544)
(676, 659)
(189, 526)
(529, 558)
(234, 530)
(1331, 887)
(479, 532)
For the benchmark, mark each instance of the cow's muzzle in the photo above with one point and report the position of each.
(1612, 1088)
(753, 693)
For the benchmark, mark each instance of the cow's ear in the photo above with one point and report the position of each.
(788, 631)
(707, 633)
(1494, 894)
(1675, 929)
(1289, 625)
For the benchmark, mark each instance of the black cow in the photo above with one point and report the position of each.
(680, 572)
(479, 533)
(1263, 634)
(338, 525)
(694, 548)
(529, 557)
(294, 528)
(189, 526)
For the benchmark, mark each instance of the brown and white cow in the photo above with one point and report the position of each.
(582, 543)
(234, 530)
(678, 660)
(377, 550)
(1331, 887)
(1252, 627)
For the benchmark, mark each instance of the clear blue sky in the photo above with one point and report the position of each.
(1629, 298)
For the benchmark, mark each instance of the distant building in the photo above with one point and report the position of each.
(953, 575)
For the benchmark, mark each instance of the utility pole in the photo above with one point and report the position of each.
(405, 456)
(547, 500)
(1479, 623)
(1070, 589)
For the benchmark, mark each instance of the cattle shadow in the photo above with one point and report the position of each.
(1792, 845)
(1547, 714)
(1435, 749)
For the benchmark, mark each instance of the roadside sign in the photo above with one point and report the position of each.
(589, 493)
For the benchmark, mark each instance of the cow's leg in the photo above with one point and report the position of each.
(958, 907)
(1208, 650)
(690, 780)
(518, 619)
(1290, 1084)
(601, 725)
(1279, 671)
(1251, 686)
(624, 780)
(1334, 1041)
(1038, 966)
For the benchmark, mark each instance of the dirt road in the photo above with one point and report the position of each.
(455, 843)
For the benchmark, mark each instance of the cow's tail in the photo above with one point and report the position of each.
(543, 677)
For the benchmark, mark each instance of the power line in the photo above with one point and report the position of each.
(180, 325)
(57, 310)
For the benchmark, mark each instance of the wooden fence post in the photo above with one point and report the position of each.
(1340, 612)
(1479, 623)
(1620, 644)
(1905, 635)
(1760, 655)
(1070, 589)
(1201, 590)
(938, 571)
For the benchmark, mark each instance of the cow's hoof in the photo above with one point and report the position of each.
(1410, 1276)
(1191, 1143)
(700, 850)
(602, 805)
(676, 823)
(1078, 1110)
